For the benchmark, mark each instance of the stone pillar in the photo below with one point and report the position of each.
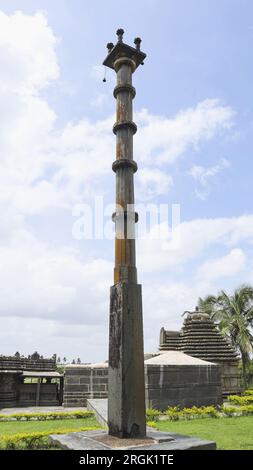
(126, 388)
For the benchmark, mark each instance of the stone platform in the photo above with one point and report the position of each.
(155, 440)
(100, 440)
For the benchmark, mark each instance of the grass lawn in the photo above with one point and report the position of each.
(15, 427)
(228, 433)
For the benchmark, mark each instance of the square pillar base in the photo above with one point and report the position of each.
(126, 386)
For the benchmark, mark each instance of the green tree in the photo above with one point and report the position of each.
(233, 314)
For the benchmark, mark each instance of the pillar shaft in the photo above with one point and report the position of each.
(124, 166)
(126, 388)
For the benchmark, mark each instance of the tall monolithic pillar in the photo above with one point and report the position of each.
(126, 394)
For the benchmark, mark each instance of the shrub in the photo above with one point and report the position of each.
(151, 424)
(248, 392)
(152, 414)
(246, 409)
(173, 413)
(228, 411)
(210, 411)
(47, 416)
(237, 400)
(34, 440)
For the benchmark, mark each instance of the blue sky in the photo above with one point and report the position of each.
(194, 148)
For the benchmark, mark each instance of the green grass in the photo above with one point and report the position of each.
(16, 427)
(228, 433)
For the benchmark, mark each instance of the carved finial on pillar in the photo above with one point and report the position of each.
(137, 43)
(110, 46)
(120, 33)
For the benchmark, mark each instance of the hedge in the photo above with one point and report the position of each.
(248, 392)
(46, 416)
(175, 413)
(35, 440)
(237, 400)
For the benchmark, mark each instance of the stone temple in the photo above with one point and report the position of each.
(200, 338)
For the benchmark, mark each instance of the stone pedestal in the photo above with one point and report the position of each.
(126, 389)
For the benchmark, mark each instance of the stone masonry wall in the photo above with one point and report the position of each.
(85, 381)
(182, 385)
(166, 385)
(8, 389)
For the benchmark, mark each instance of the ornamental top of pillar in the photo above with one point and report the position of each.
(120, 49)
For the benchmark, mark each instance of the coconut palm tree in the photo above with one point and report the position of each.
(234, 316)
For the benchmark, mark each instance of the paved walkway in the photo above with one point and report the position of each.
(39, 409)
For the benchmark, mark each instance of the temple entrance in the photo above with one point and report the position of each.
(40, 390)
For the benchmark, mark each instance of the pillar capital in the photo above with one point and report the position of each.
(122, 50)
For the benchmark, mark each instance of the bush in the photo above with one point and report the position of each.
(47, 416)
(246, 409)
(152, 414)
(248, 392)
(34, 440)
(229, 411)
(173, 413)
(151, 424)
(237, 400)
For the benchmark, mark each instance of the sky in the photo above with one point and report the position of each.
(194, 147)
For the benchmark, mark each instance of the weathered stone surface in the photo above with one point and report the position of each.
(126, 392)
(175, 379)
(171, 377)
(83, 382)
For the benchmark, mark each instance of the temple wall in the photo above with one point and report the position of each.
(165, 386)
(230, 379)
(25, 363)
(82, 382)
(48, 395)
(8, 389)
(182, 385)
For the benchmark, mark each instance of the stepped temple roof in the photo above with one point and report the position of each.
(199, 337)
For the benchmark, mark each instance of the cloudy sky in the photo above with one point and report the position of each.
(194, 148)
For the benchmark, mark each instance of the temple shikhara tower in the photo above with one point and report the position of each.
(126, 390)
(200, 337)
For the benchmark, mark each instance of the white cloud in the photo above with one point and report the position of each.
(164, 140)
(27, 53)
(224, 266)
(204, 175)
(151, 183)
(191, 240)
(38, 280)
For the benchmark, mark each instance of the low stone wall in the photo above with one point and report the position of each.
(85, 381)
(171, 379)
